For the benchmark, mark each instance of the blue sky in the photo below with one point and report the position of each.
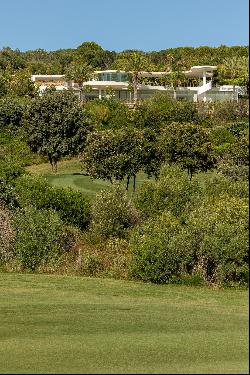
(118, 25)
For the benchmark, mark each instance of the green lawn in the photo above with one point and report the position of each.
(71, 174)
(65, 324)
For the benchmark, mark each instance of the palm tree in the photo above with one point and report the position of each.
(234, 70)
(79, 72)
(175, 75)
(134, 63)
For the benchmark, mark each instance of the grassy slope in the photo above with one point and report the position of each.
(69, 174)
(59, 324)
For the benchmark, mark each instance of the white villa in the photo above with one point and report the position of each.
(117, 83)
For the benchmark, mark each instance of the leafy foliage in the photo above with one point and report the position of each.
(72, 206)
(113, 214)
(56, 125)
(216, 237)
(7, 233)
(172, 191)
(109, 114)
(154, 254)
(79, 72)
(113, 154)
(40, 239)
(11, 112)
(160, 109)
(189, 146)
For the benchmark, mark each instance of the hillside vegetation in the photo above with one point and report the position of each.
(156, 193)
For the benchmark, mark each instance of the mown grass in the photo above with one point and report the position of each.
(70, 174)
(64, 324)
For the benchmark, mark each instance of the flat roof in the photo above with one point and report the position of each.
(106, 84)
(46, 77)
(195, 71)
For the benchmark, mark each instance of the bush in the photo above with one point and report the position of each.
(40, 239)
(11, 112)
(160, 109)
(7, 235)
(10, 170)
(112, 214)
(215, 184)
(109, 258)
(72, 206)
(7, 195)
(211, 246)
(228, 110)
(17, 151)
(238, 127)
(173, 191)
(109, 114)
(216, 238)
(235, 161)
(155, 256)
(221, 138)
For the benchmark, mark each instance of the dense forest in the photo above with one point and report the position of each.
(186, 223)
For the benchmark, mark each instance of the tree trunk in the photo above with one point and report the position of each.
(82, 96)
(54, 166)
(53, 163)
(234, 94)
(127, 182)
(174, 92)
(134, 183)
(191, 173)
(135, 89)
(135, 94)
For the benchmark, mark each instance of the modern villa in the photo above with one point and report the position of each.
(116, 83)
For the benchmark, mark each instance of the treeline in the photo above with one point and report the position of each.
(187, 224)
(232, 61)
(55, 62)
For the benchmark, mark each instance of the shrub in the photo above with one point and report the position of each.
(238, 127)
(155, 256)
(40, 239)
(160, 109)
(235, 161)
(173, 191)
(91, 264)
(109, 113)
(72, 206)
(7, 195)
(228, 110)
(7, 235)
(11, 112)
(221, 138)
(17, 151)
(10, 170)
(216, 238)
(109, 258)
(112, 214)
(212, 245)
(215, 184)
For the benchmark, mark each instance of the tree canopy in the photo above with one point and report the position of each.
(56, 125)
